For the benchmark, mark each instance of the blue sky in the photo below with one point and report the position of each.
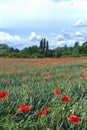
(24, 22)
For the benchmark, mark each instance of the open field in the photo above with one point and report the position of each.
(43, 94)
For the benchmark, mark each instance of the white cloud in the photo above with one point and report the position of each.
(78, 34)
(67, 34)
(57, 0)
(55, 39)
(13, 41)
(34, 37)
(60, 0)
(71, 3)
(80, 23)
(32, 12)
(19, 42)
(43, 17)
(80, 4)
(66, 42)
(5, 36)
(60, 37)
(17, 12)
(59, 40)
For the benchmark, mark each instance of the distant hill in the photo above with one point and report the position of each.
(3, 47)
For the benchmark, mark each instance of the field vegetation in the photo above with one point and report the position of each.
(43, 94)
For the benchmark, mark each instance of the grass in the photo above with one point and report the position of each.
(69, 77)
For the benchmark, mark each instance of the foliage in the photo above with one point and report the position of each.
(43, 51)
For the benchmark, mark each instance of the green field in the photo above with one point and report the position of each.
(35, 86)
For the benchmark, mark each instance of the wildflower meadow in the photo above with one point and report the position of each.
(43, 94)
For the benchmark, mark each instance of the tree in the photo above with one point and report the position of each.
(41, 44)
(58, 52)
(17, 50)
(44, 44)
(76, 44)
(11, 49)
(84, 44)
(47, 46)
(4, 47)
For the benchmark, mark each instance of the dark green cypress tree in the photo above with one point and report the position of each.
(44, 44)
(41, 44)
(47, 46)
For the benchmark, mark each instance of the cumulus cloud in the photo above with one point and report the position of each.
(5, 36)
(55, 39)
(60, 37)
(78, 34)
(66, 42)
(80, 23)
(67, 38)
(34, 37)
(17, 41)
(13, 41)
(67, 34)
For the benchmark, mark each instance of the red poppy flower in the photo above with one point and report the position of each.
(46, 108)
(46, 78)
(21, 108)
(83, 66)
(42, 113)
(25, 74)
(24, 108)
(57, 92)
(74, 119)
(69, 69)
(30, 90)
(6, 81)
(65, 98)
(82, 75)
(70, 78)
(27, 108)
(3, 95)
(52, 79)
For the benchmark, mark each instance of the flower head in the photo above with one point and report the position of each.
(23, 108)
(65, 98)
(82, 75)
(27, 108)
(30, 90)
(42, 113)
(57, 92)
(74, 119)
(3, 95)
(46, 108)
(6, 81)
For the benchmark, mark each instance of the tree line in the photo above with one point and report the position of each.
(43, 51)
